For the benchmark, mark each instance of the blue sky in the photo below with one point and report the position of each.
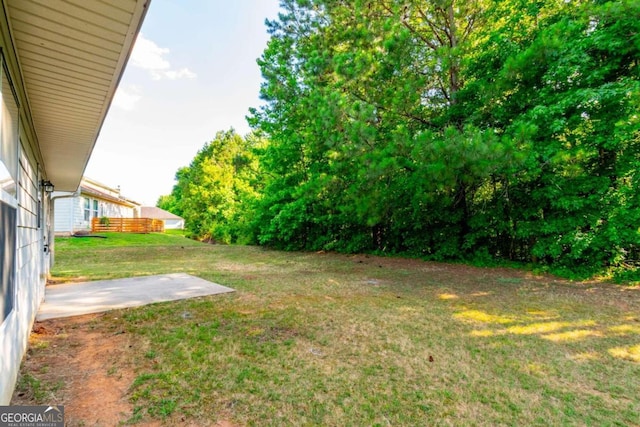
(192, 73)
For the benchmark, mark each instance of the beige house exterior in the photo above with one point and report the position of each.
(61, 61)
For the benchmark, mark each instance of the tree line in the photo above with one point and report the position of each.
(450, 130)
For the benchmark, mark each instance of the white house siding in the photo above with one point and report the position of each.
(116, 211)
(69, 210)
(63, 215)
(32, 268)
(69, 215)
(171, 221)
(77, 216)
(50, 116)
(174, 224)
(79, 223)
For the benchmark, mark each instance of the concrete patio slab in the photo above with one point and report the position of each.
(74, 299)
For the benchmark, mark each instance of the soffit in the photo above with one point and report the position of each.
(72, 54)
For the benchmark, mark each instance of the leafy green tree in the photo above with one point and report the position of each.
(577, 83)
(450, 129)
(361, 95)
(169, 203)
(214, 194)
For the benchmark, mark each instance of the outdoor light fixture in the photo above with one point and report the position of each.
(47, 186)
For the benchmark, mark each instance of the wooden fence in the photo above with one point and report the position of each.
(127, 225)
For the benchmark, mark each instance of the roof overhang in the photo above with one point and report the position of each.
(71, 54)
(107, 197)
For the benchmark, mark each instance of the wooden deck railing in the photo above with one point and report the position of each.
(127, 225)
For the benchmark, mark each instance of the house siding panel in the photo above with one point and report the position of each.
(63, 215)
(174, 224)
(113, 210)
(78, 214)
(69, 211)
(49, 134)
(31, 271)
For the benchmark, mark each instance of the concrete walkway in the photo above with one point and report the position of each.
(74, 299)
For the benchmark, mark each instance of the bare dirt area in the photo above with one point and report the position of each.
(88, 372)
(87, 368)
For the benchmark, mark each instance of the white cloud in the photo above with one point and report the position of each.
(149, 56)
(127, 98)
(183, 72)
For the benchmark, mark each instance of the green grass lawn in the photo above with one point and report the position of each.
(337, 340)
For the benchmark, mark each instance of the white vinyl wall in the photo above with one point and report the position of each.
(26, 267)
(71, 213)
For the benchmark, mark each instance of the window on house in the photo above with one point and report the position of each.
(7, 261)
(95, 209)
(8, 192)
(87, 209)
(39, 213)
(8, 139)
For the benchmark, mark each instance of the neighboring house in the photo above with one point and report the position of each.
(73, 213)
(61, 62)
(170, 220)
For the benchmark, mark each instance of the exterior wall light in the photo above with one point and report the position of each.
(47, 186)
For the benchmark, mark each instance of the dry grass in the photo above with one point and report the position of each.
(325, 339)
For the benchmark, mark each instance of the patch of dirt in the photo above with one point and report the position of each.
(88, 372)
(88, 369)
